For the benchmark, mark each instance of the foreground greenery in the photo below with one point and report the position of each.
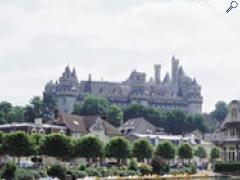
(150, 160)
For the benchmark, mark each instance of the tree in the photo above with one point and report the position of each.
(49, 106)
(166, 150)
(89, 147)
(37, 104)
(185, 151)
(176, 122)
(17, 144)
(201, 153)
(5, 107)
(8, 171)
(57, 145)
(220, 111)
(118, 148)
(92, 106)
(142, 149)
(215, 153)
(115, 115)
(199, 123)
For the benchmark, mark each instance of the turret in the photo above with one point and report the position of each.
(175, 70)
(157, 69)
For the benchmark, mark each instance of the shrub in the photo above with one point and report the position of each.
(227, 167)
(133, 165)
(22, 174)
(145, 169)
(57, 171)
(158, 165)
(93, 172)
(76, 173)
(82, 167)
(9, 170)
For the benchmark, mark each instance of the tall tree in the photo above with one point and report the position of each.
(166, 150)
(57, 145)
(37, 104)
(142, 149)
(220, 111)
(49, 106)
(201, 153)
(118, 148)
(185, 151)
(215, 153)
(89, 147)
(5, 107)
(114, 115)
(17, 144)
(92, 106)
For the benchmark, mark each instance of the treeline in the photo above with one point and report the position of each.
(19, 144)
(10, 113)
(175, 122)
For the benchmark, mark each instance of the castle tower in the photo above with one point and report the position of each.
(157, 70)
(175, 71)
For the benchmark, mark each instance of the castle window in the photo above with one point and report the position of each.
(101, 90)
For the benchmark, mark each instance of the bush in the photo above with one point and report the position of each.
(93, 172)
(133, 165)
(227, 167)
(82, 167)
(123, 173)
(57, 171)
(22, 174)
(8, 170)
(159, 166)
(145, 169)
(191, 169)
(76, 174)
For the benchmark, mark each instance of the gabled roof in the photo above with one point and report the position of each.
(82, 124)
(141, 126)
(233, 117)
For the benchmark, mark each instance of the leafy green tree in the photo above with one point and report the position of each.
(185, 151)
(220, 111)
(16, 114)
(92, 106)
(118, 148)
(5, 107)
(17, 144)
(175, 122)
(200, 152)
(36, 140)
(142, 149)
(215, 153)
(166, 150)
(200, 124)
(57, 145)
(37, 104)
(89, 147)
(58, 171)
(49, 106)
(8, 171)
(114, 115)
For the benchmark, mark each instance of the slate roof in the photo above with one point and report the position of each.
(82, 124)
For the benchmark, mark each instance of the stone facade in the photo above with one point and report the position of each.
(176, 92)
(230, 141)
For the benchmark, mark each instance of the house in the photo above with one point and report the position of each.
(139, 126)
(230, 142)
(36, 127)
(87, 125)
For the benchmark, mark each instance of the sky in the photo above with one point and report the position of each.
(110, 38)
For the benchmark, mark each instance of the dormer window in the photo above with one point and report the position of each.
(234, 114)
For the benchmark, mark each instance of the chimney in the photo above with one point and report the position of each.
(38, 121)
(157, 69)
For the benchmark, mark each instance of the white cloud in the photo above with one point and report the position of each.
(110, 38)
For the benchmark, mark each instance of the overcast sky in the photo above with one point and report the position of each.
(109, 38)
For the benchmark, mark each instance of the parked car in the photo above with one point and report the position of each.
(26, 164)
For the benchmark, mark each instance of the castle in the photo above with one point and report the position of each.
(177, 91)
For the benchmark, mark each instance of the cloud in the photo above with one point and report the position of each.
(110, 38)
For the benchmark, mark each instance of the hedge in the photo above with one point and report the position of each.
(227, 167)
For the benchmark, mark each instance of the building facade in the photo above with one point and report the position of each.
(177, 91)
(230, 141)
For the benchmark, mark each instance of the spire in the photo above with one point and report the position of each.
(181, 71)
(166, 78)
(74, 74)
